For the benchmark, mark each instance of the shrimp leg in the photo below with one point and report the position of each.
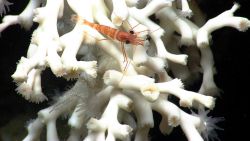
(124, 56)
(124, 52)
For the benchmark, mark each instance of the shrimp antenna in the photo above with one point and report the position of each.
(134, 27)
(131, 28)
(147, 36)
(149, 30)
(154, 30)
(128, 24)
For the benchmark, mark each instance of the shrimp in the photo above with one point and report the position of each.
(122, 36)
(115, 34)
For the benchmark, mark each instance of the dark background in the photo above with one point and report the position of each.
(231, 50)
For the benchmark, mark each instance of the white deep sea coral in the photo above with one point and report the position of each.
(4, 4)
(119, 81)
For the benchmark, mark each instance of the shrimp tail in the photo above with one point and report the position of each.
(106, 30)
(75, 18)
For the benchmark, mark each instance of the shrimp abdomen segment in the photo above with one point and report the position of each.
(106, 30)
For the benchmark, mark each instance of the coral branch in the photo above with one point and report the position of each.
(109, 120)
(170, 18)
(138, 82)
(31, 90)
(168, 111)
(208, 86)
(186, 97)
(68, 58)
(188, 125)
(142, 16)
(4, 4)
(120, 12)
(185, 10)
(224, 19)
(24, 19)
(34, 130)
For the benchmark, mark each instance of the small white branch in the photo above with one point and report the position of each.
(156, 64)
(140, 56)
(225, 19)
(48, 34)
(95, 136)
(68, 58)
(24, 19)
(140, 83)
(185, 9)
(76, 122)
(50, 115)
(77, 118)
(109, 120)
(127, 118)
(163, 53)
(186, 97)
(32, 89)
(189, 126)
(65, 104)
(171, 19)
(144, 116)
(100, 13)
(131, 3)
(52, 131)
(167, 110)
(75, 134)
(164, 127)
(208, 86)
(120, 12)
(142, 110)
(4, 4)
(34, 130)
(172, 43)
(25, 65)
(142, 134)
(82, 8)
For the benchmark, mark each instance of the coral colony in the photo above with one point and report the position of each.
(120, 84)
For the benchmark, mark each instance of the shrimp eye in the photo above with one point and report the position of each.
(131, 32)
(127, 41)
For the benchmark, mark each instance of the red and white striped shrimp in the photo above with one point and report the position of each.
(122, 36)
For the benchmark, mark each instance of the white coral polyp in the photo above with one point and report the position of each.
(135, 77)
(150, 92)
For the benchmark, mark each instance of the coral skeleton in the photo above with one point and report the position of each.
(4, 4)
(118, 85)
